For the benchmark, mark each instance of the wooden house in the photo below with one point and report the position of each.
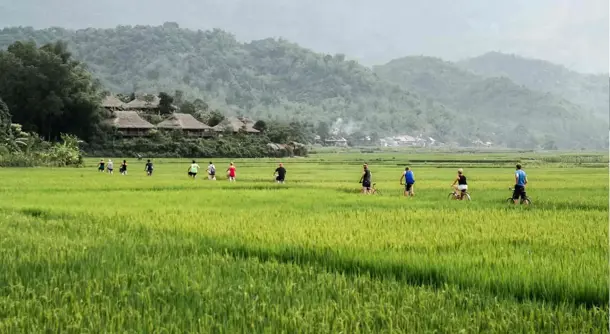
(112, 103)
(129, 123)
(235, 124)
(186, 123)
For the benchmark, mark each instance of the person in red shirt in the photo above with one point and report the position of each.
(231, 172)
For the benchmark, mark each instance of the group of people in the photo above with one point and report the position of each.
(459, 185)
(193, 170)
(103, 167)
(280, 172)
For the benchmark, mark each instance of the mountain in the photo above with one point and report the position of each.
(569, 32)
(269, 79)
(495, 102)
(590, 91)
(276, 79)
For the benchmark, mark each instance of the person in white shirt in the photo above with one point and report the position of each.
(110, 167)
(212, 172)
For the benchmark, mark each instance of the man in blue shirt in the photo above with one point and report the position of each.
(520, 183)
(409, 181)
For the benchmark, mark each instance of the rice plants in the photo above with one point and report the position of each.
(89, 252)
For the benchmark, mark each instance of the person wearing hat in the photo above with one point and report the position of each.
(280, 173)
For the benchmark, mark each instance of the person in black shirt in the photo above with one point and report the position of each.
(280, 173)
(366, 180)
(149, 168)
(101, 165)
(462, 183)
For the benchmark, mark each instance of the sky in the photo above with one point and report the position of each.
(574, 33)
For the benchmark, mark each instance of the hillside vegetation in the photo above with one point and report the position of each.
(276, 79)
(522, 115)
(264, 79)
(590, 91)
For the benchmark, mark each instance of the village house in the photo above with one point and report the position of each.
(112, 103)
(188, 124)
(235, 124)
(336, 141)
(129, 123)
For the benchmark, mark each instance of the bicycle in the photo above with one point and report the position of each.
(522, 200)
(374, 190)
(455, 195)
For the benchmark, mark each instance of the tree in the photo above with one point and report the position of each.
(188, 108)
(179, 97)
(323, 130)
(48, 92)
(165, 103)
(212, 118)
(260, 126)
(200, 105)
(5, 118)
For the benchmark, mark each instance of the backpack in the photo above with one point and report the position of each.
(212, 170)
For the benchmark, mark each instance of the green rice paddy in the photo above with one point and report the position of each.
(86, 252)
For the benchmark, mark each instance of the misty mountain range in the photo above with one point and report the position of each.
(487, 97)
(573, 33)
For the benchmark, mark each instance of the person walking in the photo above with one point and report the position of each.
(409, 178)
(211, 171)
(231, 172)
(193, 170)
(365, 179)
(280, 174)
(520, 183)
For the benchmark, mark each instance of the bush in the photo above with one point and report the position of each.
(175, 145)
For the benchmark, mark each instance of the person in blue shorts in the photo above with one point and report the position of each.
(409, 178)
(520, 183)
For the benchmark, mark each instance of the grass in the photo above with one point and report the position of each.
(89, 252)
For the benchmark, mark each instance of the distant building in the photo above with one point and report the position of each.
(336, 141)
(129, 123)
(112, 103)
(187, 124)
(235, 124)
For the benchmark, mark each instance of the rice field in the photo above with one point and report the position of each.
(86, 252)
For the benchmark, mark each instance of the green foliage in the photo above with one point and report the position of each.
(174, 145)
(495, 108)
(48, 92)
(165, 103)
(266, 79)
(589, 91)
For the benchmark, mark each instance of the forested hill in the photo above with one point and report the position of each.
(273, 79)
(496, 101)
(588, 90)
(267, 78)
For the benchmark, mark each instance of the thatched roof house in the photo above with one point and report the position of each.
(140, 104)
(129, 123)
(186, 123)
(111, 102)
(236, 124)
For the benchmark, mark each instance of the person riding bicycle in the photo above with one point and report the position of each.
(520, 183)
(462, 184)
(409, 178)
(365, 179)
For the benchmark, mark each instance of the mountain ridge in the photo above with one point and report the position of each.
(272, 79)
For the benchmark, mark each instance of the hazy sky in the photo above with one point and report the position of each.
(574, 33)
